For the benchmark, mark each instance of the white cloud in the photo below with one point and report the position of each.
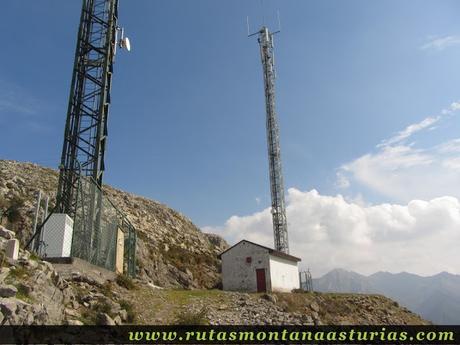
(329, 232)
(401, 172)
(418, 232)
(441, 43)
(410, 130)
(342, 181)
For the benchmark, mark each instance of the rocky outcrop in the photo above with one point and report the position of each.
(171, 250)
(31, 291)
(34, 292)
(304, 309)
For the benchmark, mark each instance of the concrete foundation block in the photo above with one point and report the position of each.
(12, 249)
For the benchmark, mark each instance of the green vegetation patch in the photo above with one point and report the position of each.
(125, 281)
(190, 317)
(129, 307)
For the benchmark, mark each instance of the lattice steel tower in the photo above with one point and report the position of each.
(86, 125)
(265, 38)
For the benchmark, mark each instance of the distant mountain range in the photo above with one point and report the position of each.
(435, 298)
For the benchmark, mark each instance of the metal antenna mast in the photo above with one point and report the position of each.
(265, 38)
(86, 125)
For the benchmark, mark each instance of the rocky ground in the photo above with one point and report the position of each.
(33, 292)
(36, 292)
(222, 308)
(171, 251)
(177, 267)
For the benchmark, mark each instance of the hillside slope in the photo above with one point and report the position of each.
(36, 292)
(171, 250)
(435, 298)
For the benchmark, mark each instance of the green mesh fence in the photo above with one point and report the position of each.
(101, 230)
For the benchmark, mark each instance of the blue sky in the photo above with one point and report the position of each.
(187, 118)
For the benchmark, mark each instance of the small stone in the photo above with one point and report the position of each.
(8, 291)
(75, 323)
(314, 306)
(71, 312)
(117, 320)
(123, 314)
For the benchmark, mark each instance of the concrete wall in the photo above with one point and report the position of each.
(238, 274)
(284, 274)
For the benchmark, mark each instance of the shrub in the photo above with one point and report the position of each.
(128, 306)
(34, 257)
(106, 289)
(23, 293)
(125, 281)
(189, 317)
(18, 272)
(10, 209)
(103, 307)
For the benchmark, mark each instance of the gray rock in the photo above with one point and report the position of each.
(8, 291)
(4, 271)
(105, 320)
(314, 306)
(14, 310)
(8, 234)
(117, 320)
(123, 314)
(270, 297)
(74, 323)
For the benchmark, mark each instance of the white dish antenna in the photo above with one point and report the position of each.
(124, 42)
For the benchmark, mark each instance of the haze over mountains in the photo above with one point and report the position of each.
(435, 298)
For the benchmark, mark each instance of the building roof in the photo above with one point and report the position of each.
(271, 251)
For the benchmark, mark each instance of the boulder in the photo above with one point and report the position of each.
(105, 320)
(5, 233)
(8, 291)
(270, 297)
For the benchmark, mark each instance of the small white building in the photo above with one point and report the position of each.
(248, 266)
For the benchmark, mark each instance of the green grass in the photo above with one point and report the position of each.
(181, 297)
(17, 273)
(23, 293)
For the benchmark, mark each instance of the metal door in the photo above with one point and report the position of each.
(260, 275)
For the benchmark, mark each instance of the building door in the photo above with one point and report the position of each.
(260, 275)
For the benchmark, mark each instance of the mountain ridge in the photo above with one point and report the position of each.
(435, 298)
